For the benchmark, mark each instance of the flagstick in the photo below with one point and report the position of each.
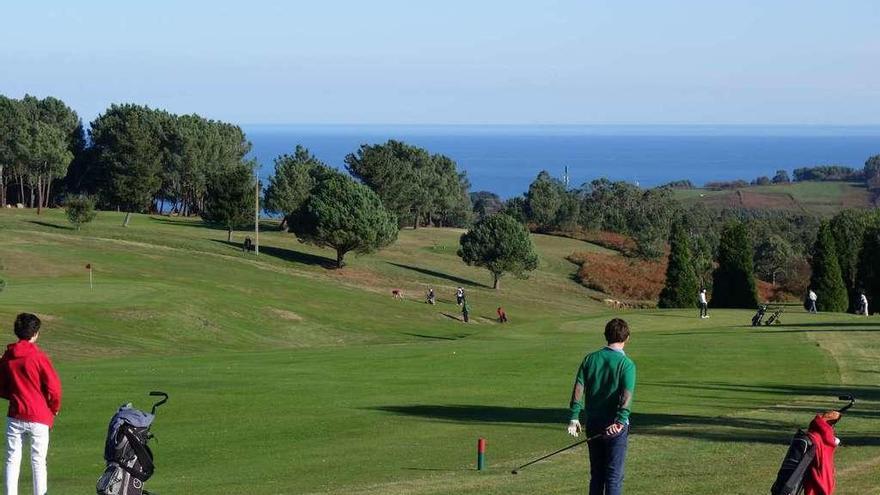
(90, 278)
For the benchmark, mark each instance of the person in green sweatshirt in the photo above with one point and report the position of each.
(603, 390)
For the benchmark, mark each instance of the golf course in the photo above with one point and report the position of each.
(288, 377)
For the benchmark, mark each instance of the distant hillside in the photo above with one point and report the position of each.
(822, 198)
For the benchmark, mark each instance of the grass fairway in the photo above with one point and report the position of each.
(819, 198)
(289, 378)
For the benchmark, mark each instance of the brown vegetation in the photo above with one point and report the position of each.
(619, 276)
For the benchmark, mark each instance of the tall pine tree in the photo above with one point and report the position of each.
(827, 280)
(681, 280)
(869, 264)
(733, 281)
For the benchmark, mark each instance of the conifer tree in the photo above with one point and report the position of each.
(869, 264)
(827, 280)
(733, 281)
(681, 280)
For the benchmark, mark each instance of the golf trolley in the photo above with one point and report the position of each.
(800, 455)
(758, 319)
(129, 459)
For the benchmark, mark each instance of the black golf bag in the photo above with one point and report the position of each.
(756, 320)
(797, 460)
(774, 318)
(129, 458)
(800, 455)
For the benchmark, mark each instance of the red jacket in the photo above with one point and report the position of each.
(29, 382)
(820, 477)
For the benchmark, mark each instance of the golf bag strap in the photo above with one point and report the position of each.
(797, 476)
(145, 457)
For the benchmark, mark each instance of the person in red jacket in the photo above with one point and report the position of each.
(29, 382)
(820, 477)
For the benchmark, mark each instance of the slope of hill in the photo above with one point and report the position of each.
(821, 198)
(287, 377)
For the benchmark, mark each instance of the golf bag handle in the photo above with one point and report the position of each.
(850, 398)
(158, 394)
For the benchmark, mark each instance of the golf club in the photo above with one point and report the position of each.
(586, 440)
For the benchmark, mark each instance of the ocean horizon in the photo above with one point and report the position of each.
(505, 158)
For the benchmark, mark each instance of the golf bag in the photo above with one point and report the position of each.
(774, 318)
(756, 320)
(797, 460)
(129, 458)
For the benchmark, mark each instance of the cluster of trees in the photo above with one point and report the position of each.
(421, 188)
(39, 138)
(828, 173)
(142, 159)
(614, 206)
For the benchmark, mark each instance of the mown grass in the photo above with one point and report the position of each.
(821, 198)
(287, 377)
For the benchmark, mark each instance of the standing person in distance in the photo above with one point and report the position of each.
(459, 296)
(863, 304)
(465, 310)
(29, 382)
(431, 298)
(603, 389)
(704, 304)
(813, 297)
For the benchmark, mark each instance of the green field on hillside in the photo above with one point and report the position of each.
(822, 198)
(290, 378)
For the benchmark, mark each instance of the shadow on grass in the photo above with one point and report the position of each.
(452, 317)
(51, 225)
(187, 222)
(288, 255)
(434, 337)
(446, 276)
(723, 429)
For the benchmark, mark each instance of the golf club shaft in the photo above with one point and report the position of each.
(586, 440)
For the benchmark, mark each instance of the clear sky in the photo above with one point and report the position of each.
(454, 61)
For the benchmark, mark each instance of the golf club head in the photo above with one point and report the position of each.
(845, 397)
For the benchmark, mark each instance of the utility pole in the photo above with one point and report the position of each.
(257, 217)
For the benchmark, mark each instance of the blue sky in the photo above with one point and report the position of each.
(451, 61)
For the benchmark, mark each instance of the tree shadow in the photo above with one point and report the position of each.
(452, 317)
(435, 337)
(287, 255)
(446, 276)
(724, 429)
(51, 225)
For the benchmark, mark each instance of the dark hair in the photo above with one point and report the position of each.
(616, 331)
(26, 326)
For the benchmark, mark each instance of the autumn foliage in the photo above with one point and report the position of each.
(620, 276)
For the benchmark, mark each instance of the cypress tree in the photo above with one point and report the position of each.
(827, 279)
(733, 281)
(681, 279)
(869, 264)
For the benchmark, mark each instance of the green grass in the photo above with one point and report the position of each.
(287, 377)
(821, 198)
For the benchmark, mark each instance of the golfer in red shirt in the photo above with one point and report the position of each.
(29, 382)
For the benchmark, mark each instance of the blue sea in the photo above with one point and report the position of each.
(505, 159)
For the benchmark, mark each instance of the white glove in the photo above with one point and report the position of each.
(574, 427)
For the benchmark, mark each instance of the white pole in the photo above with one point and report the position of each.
(257, 218)
(90, 278)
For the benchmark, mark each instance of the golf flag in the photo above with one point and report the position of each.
(89, 268)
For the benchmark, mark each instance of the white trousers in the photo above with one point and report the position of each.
(38, 433)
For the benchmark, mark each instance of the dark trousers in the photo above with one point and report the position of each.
(704, 309)
(607, 456)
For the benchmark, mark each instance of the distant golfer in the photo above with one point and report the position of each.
(605, 381)
(465, 310)
(704, 304)
(431, 298)
(459, 296)
(813, 297)
(29, 382)
(502, 316)
(863, 304)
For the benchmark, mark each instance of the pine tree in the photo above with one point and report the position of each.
(681, 280)
(733, 282)
(827, 280)
(869, 264)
